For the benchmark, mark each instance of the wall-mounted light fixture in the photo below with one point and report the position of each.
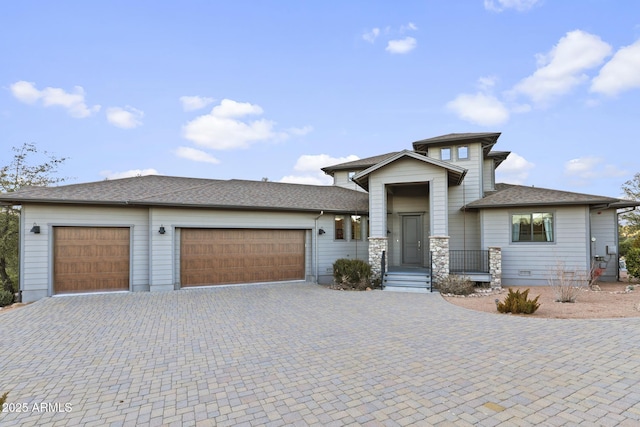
(162, 230)
(35, 229)
(321, 231)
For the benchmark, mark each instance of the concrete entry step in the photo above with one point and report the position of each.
(407, 280)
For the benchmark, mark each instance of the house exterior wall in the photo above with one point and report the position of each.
(165, 248)
(464, 231)
(36, 274)
(341, 179)
(155, 257)
(604, 228)
(531, 263)
(488, 175)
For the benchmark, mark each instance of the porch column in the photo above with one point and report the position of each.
(376, 246)
(439, 246)
(495, 267)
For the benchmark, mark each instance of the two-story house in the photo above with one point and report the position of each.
(414, 214)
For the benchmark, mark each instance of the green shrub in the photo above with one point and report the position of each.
(6, 298)
(633, 262)
(3, 399)
(456, 285)
(518, 302)
(351, 274)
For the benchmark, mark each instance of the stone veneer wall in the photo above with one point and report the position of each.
(439, 246)
(495, 267)
(376, 246)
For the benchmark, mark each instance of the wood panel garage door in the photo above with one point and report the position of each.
(90, 259)
(225, 256)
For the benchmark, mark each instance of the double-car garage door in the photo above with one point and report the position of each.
(97, 259)
(225, 256)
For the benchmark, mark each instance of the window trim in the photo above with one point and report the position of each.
(458, 152)
(530, 213)
(442, 151)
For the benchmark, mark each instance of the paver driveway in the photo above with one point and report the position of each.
(300, 354)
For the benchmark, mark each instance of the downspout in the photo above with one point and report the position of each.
(20, 254)
(315, 239)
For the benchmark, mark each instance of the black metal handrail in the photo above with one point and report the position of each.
(465, 261)
(383, 268)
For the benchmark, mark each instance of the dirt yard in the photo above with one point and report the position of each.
(610, 302)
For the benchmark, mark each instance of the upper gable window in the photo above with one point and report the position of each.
(351, 175)
(445, 154)
(463, 152)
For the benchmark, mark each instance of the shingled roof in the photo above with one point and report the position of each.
(487, 139)
(359, 164)
(156, 190)
(509, 195)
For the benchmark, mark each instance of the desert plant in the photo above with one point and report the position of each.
(456, 285)
(517, 302)
(351, 274)
(567, 284)
(6, 298)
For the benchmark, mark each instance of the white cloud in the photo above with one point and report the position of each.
(73, 102)
(224, 129)
(128, 174)
(191, 103)
(310, 164)
(621, 73)
(300, 131)
(409, 27)
(487, 83)
(402, 46)
(563, 67)
(25, 92)
(481, 109)
(315, 162)
(500, 5)
(591, 167)
(196, 155)
(514, 170)
(125, 118)
(371, 36)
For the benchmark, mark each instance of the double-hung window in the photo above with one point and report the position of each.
(532, 227)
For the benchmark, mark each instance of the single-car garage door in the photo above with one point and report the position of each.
(225, 256)
(90, 259)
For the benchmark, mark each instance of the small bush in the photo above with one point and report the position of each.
(351, 274)
(633, 262)
(518, 303)
(6, 298)
(567, 284)
(456, 285)
(3, 399)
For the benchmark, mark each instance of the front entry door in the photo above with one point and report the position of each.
(412, 240)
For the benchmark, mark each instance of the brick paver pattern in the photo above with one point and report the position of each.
(301, 354)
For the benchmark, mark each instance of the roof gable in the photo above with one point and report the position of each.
(455, 173)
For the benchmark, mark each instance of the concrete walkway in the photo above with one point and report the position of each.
(300, 354)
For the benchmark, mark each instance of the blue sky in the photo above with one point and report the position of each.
(279, 89)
